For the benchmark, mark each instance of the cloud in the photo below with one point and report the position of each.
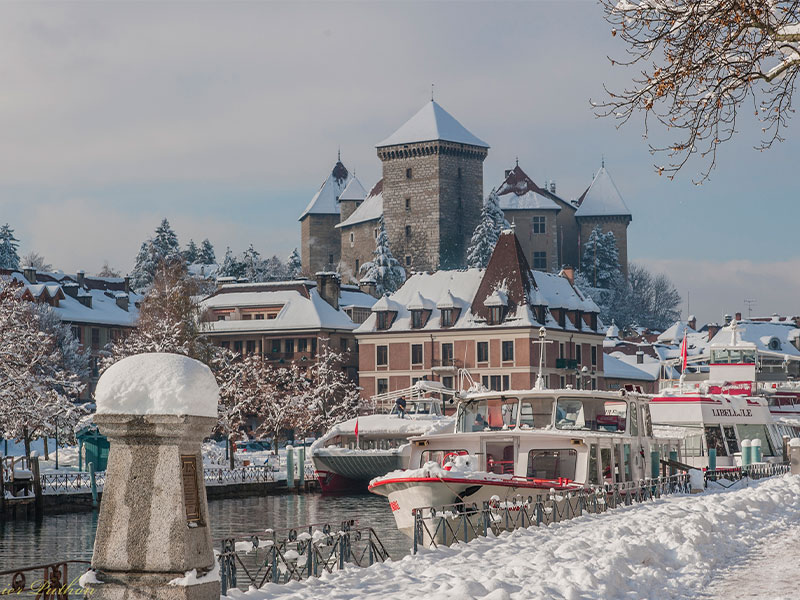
(716, 288)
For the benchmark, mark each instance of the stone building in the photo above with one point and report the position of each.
(430, 197)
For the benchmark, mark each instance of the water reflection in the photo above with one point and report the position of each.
(71, 536)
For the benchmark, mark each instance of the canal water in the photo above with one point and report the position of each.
(71, 536)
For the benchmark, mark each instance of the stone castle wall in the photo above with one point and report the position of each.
(536, 242)
(320, 244)
(359, 251)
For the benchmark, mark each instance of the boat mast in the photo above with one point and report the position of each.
(541, 341)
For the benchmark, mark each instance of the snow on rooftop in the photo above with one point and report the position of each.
(615, 367)
(158, 384)
(674, 334)
(613, 331)
(602, 198)
(369, 210)
(353, 191)
(765, 336)
(432, 122)
(326, 200)
(528, 200)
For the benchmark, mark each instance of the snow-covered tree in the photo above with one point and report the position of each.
(9, 259)
(191, 254)
(108, 271)
(166, 242)
(163, 247)
(36, 383)
(334, 397)
(384, 269)
(37, 261)
(486, 233)
(232, 266)
(600, 259)
(293, 264)
(698, 62)
(206, 254)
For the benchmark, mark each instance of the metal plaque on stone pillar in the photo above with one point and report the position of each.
(191, 497)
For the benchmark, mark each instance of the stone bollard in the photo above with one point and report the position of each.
(153, 539)
(794, 455)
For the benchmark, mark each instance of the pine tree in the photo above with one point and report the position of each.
(191, 254)
(384, 269)
(294, 265)
(166, 242)
(162, 248)
(254, 267)
(600, 260)
(231, 265)
(206, 255)
(486, 233)
(9, 259)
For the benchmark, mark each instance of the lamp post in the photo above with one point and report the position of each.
(584, 373)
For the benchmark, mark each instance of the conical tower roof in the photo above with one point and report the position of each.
(353, 191)
(326, 200)
(432, 122)
(602, 198)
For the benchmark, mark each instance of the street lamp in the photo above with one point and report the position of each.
(584, 373)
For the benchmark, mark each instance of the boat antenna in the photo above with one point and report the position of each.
(541, 341)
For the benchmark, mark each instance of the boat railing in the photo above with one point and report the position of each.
(464, 521)
(294, 554)
(753, 471)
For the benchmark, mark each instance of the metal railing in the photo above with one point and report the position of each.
(45, 582)
(71, 482)
(463, 522)
(757, 471)
(296, 554)
(249, 474)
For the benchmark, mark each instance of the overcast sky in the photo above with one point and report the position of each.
(226, 117)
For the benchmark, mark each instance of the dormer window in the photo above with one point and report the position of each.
(447, 317)
(416, 319)
(496, 314)
(383, 319)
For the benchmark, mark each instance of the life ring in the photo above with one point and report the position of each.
(447, 456)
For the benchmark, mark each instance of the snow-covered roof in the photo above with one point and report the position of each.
(447, 301)
(353, 191)
(370, 209)
(518, 191)
(675, 333)
(614, 367)
(326, 200)
(556, 291)
(419, 302)
(602, 198)
(301, 308)
(767, 337)
(613, 331)
(432, 122)
(497, 298)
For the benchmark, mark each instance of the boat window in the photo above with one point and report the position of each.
(500, 458)
(757, 432)
(605, 462)
(693, 445)
(489, 414)
(536, 412)
(648, 421)
(552, 464)
(592, 478)
(593, 414)
(730, 437)
(440, 456)
(420, 408)
(626, 459)
(729, 356)
(634, 419)
(714, 440)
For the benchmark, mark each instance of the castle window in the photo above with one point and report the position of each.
(416, 354)
(508, 350)
(352, 237)
(408, 203)
(538, 225)
(408, 230)
(540, 260)
(459, 172)
(330, 259)
(376, 233)
(408, 260)
(251, 346)
(383, 319)
(408, 173)
(357, 265)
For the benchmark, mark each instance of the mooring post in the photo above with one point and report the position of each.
(712, 459)
(289, 467)
(746, 453)
(153, 537)
(755, 450)
(654, 464)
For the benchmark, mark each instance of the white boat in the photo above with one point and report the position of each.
(522, 443)
(345, 462)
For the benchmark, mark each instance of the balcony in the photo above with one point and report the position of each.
(566, 363)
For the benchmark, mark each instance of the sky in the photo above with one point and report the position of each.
(225, 118)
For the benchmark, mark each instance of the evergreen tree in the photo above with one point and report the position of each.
(9, 259)
(254, 268)
(206, 255)
(486, 233)
(231, 266)
(293, 264)
(191, 254)
(162, 248)
(384, 268)
(166, 242)
(600, 260)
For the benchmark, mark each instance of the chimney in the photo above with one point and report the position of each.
(86, 300)
(569, 273)
(328, 287)
(552, 187)
(30, 274)
(70, 289)
(508, 172)
(713, 328)
(728, 319)
(692, 322)
(738, 316)
(640, 358)
(122, 301)
(81, 275)
(368, 286)
(127, 284)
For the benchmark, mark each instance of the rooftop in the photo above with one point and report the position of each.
(431, 123)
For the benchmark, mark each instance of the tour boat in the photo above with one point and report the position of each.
(740, 400)
(519, 443)
(353, 452)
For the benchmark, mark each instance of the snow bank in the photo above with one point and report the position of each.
(667, 549)
(158, 384)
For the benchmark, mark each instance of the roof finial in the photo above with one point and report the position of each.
(603, 161)
(432, 92)
(339, 154)
(517, 161)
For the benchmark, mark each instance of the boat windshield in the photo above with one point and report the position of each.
(489, 414)
(591, 414)
(420, 407)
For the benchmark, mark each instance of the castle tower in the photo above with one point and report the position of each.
(432, 189)
(351, 198)
(320, 245)
(601, 204)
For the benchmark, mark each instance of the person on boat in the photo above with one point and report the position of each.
(479, 424)
(400, 404)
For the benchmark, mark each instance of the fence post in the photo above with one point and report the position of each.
(416, 529)
(93, 480)
(274, 562)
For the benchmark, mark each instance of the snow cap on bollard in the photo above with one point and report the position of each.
(158, 384)
(794, 443)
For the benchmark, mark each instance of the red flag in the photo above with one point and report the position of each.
(356, 432)
(684, 353)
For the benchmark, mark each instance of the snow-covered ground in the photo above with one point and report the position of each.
(736, 543)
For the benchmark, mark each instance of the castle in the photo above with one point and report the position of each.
(430, 198)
